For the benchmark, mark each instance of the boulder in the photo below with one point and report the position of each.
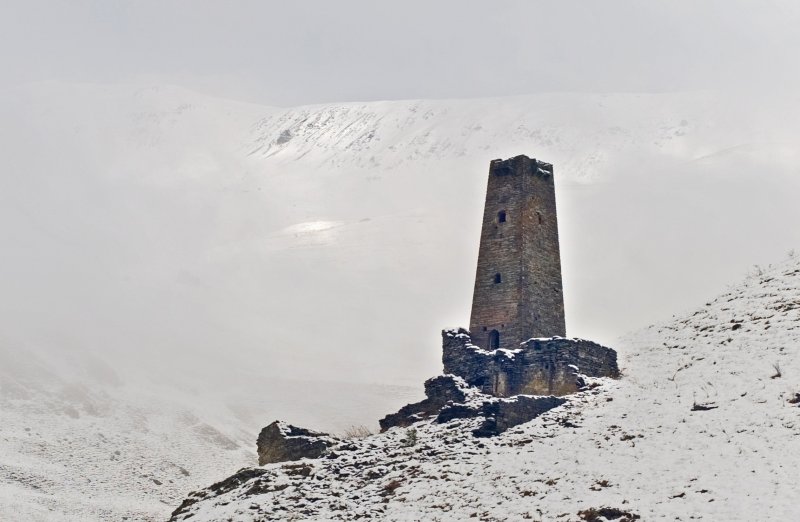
(280, 442)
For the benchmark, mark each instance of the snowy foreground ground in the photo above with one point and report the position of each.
(700, 427)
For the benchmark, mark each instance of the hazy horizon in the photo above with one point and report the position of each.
(139, 183)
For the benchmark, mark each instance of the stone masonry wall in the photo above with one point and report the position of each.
(522, 248)
(538, 367)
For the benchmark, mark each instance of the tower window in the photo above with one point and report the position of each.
(539, 217)
(501, 216)
(498, 279)
(494, 340)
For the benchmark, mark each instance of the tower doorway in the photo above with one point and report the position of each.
(494, 340)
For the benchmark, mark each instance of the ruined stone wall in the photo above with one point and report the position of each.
(521, 247)
(539, 367)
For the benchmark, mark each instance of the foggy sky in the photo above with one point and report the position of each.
(287, 53)
(135, 229)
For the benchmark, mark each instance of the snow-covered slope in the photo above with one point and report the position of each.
(700, 427)
(98, 446)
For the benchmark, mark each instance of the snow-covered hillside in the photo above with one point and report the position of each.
(175, 261)
(704, 425)
(81, 443)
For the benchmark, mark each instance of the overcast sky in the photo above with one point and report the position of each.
(287, 53)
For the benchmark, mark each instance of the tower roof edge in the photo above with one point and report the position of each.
(519, 164)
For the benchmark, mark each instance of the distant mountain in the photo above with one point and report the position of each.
(704, 423)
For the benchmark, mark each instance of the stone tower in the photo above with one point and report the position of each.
(518, 292)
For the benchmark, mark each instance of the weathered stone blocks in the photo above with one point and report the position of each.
(449, 397)
(518, 292)
(505, 387)
(551, 366)
(439, 391)
(500, 414)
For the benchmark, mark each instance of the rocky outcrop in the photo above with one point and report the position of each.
(439, 391)
(552, 366)
(500, 414)
(449, 397)
(280, 442)
(220, 488)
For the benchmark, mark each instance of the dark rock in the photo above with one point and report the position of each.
(450, 398)
(280, 442)
(302, 470)
(507, 413)
(459, 411)
(439, 391)
(607, 513)
(219, 488)
(704, 407)
(500, 414)
(236, 480)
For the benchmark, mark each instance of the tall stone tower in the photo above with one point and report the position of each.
(518, 292)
